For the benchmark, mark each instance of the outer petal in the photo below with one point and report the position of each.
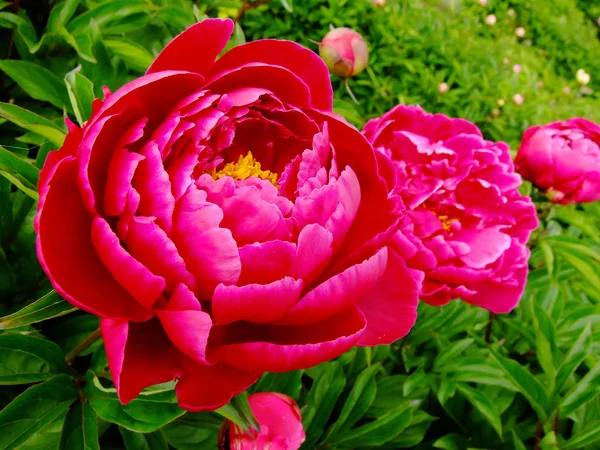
(285, 348)
(66, 252)
(196, 49)
(299, 60)
(139, 355)
(391, 306)
(206, 388)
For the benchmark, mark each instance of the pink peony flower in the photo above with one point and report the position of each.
(280, 425)
(563, 159)
(222, 222)
(490, 19)
(345, 52)
(469, 222)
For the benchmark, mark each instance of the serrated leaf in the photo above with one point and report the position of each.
(378, 432)
(32, 122)
(80, 430)
(484, 406)
(21, 173)
(584, 391)
(357, 403)
(526, 384)
(145, 414)
(27, 359)
(148, 441)
(34, 410)
(37, 81)
(320, 402)
(47, 307)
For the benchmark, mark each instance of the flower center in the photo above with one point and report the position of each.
(446, 222)
(245, 167)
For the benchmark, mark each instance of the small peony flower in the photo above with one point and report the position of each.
(345, 52)
(518, 99)
(491, 19)
(563, 159)
(280, 423)
(520, 32)
(506, 61)
(443, 88)
(222, 222)
(583, 78)
(517, 68)
(469, 223)
(501, 102)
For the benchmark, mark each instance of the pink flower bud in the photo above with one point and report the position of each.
(540, 84)
(518, 99)
(520, 32)
(511, 12)
(443, 88)
(506, 61)
(345, 52)
(482, 2)
(491, 19)
(517, 68)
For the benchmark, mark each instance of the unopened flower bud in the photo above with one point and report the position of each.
(511, 12)
(567, 90)
(540, 84)
(506, 61)
(482, 2)
(495, 113)
(491, 19)
(501, 102)
(520, 32)
(345, 52)
(517, 68)
(443, 88)
(378, 2)
(583, 78)
(518, 99)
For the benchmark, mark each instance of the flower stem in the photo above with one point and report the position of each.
(83, 345)
(350, 93)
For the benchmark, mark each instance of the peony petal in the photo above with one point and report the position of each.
(302, 62)
(285, 348)
(66, 252)
(142, 284)
(486, 245)
(391, 306)
(186, 325)
(196, 49)
(139, 355)
(210, 252)
(266, 262)
(315, 247)
(206, 388)
(256, 303)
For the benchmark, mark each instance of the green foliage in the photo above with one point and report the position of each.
(463, 378)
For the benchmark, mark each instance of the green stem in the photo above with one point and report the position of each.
(83, 345)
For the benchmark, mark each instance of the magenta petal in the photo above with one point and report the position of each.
(206, 388)
(196, 49)
(266, 262)
(210, 252)
(391, 306)
(487, 246)
(142, 284)
(257, 303)
(151, 246)
(186, 324)
(66, 252)
(139, 355)
(338, 293)
(314, 252)
(281, 349)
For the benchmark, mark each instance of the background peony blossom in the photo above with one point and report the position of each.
(469, 222)
(280, 425)
(222, 223)
(563, 158)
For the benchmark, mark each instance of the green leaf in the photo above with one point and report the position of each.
(484, 406)
(583, 392)
(241, 405)
(139, 441)
(287, 5)
(32, 122)
(24, 27)
(585, 438)
(34, 410)
(194, 431)
(546, 348)
(449, 354)
(27, 359)
(80, 430)
(134, 55)
(61, 14)
(378, 432)
(357, 403)
(81, 94)
(37, 81)
(47, 307)
(20, 173)
(145, 414)
(320, 402)
(105, 13)
(526, 384)
(574, 358)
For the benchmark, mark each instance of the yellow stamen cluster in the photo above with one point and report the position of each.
(245, 167)
(446, 222)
